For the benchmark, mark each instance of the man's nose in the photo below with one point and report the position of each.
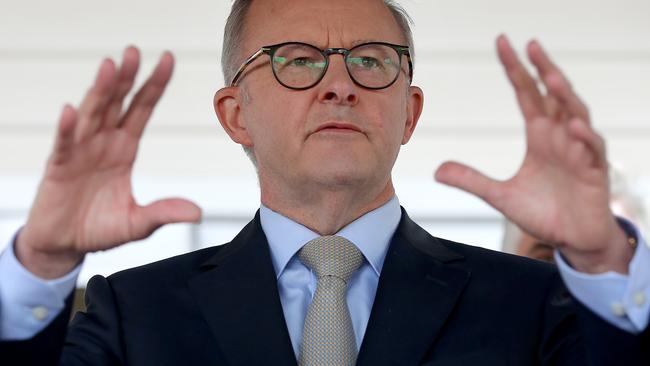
(336, 86)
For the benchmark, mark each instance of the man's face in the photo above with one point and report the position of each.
(286, 127)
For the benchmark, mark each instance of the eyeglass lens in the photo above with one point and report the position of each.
(301, 66)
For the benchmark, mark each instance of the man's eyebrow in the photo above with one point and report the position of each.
(362, 41)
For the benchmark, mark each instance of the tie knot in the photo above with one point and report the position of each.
(331, 256)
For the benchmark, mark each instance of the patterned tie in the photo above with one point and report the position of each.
(328, 337)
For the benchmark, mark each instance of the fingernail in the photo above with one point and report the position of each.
(68, 111)
(107, 62)
(131, 48)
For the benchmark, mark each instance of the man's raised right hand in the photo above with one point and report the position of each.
(85, 202)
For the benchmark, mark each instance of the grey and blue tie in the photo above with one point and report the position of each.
(328, 337)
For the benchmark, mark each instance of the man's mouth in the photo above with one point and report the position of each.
(338, 127)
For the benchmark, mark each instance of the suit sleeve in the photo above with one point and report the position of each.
(93, 338)
(42, 349)
(574, 335)
(609, 345)
(621, 300)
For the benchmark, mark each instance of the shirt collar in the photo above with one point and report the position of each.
(371, 233)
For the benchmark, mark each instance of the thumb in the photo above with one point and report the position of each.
(148, 219)
(470, 180)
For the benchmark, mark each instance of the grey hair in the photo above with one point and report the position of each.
(624, 195)
(233, 37)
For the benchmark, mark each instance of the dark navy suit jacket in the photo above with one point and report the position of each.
(437, 303)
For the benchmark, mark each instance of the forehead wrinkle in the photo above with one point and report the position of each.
(365, 40)
(336, 28)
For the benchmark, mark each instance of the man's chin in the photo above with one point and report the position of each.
(340, 175)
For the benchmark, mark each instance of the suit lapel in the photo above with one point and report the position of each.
(417, 291)
(238, 296)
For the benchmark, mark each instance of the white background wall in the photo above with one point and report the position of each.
(49, 52)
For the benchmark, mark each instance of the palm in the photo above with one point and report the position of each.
(560, 193)
(554, 194)
(85, 201)
(93, 192)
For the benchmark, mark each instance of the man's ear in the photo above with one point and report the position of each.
(227, 105)
(414, 106)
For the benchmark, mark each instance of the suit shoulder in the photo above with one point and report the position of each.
(506, 275)
(476, 259)
(183, 265)
(484, 254)
(177, 270)
(496, 262)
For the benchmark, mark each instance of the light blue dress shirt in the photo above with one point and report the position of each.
(28, 303)
(624, 301)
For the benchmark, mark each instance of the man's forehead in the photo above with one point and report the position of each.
(332, 23)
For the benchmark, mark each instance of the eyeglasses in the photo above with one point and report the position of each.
(300, 66)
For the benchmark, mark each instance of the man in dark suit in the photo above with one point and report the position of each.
(322, 102)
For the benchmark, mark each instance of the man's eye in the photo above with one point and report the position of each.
(307, 62)
(303, 62)
(366, 62)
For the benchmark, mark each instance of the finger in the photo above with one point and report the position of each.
(94, 104)
(146, 98)
(528, 95)
(125, 80)
(579, 156)
(470, 180)
(554, 109)
(65, 135)
(149, 218)
(556, 82)
(558, 86)
(582, 131)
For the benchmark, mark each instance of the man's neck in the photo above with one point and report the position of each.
(327, 212)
